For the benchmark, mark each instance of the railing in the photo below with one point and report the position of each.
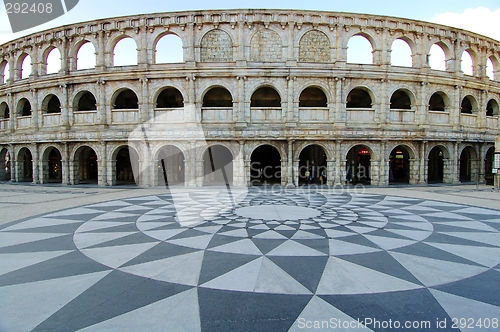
(168, 115)
(85, 117)
(492, 122)
(24, 121)
(402, 115)
(124, 116)
(52, 119)
(438, 117)
(4, 124)
(363, 115)
(217, 114)
(266, 114)
(311, 114)
(468, 120)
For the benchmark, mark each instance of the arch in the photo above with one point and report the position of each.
(51, 166)
(266, 46)
(360, 50)
(468, 164)
(5, 165)
(312, 164)
(86, 56)
(53, 61)
(265, 165)
(25, 66)
(401, 53)
(126, 165)
(4, 111)
(168, 49)
(24, 107)
(125, 52)
(313, 97)
(85, 165)
(467, 63)
(314, 46)
(5, 71)
(358, 160)
(359, 98)
(490, 69)
(399, 165)
(51, 104)
(24, 164)
(170, 97)
(84, 101)
(400, 100)
(438, 102)
(437, 57)
(171, 166)
(125, 99)
(216, 46)
(265, 96)
(488, 165)
(436, 164)
(492, 108)
(218, 97)
(217, 165)
(468, 105)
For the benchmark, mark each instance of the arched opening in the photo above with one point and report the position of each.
(125, 52)
(490, 69)
(313, 97)
(217, 166)
(312, 165)
(25, 165)
(265, 165)
(468, 105)
(468, 165)
(359, 98)
(171, 166)
(25, 67)
(437, 58)
(86, 56)
(359, 50)
(358, 165)
(5, 170)
(52, 166)
(436, 103)
(492, 108)
(265, 97)
(435, 165)
(53, 61)
(401, 54)
(85, 102)
(170, 98)
(4, 111)
(24, 107)
(127, 161)
(51, 105)
(467, 64)
(218, 97)
(126, 100)
(169, 49)
(399, 166)
(400, 100)
(488, 166)
(5, 72)
(86, 171)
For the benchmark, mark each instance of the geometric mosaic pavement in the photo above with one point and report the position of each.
(267, 262)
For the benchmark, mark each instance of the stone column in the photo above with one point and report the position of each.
(65, 106)
(64, 56)
(13, 163)
(340, 110)
(422, 105)
(414, 170)
(455, 163)
(422, 178)
(290, 118)
(144, 103)
(65, 172)
(102, 106)
(330, 172)
(100, 52)
(239, 116)
(36, 164)
(239, 167)
(103, 166)
(142, 51)
(36, 113)
(454, 108)
(193, 165)
(290, 179)
(339, 170)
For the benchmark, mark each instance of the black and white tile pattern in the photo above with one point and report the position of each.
(265, 261)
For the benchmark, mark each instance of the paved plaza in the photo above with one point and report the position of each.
(257, 259)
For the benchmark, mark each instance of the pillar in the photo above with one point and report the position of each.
(290, 178)
(422, 177)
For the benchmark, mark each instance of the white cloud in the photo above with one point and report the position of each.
(480, 20)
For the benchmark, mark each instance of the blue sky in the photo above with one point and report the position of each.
(450, 12)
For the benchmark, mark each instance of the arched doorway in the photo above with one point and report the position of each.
(435, 165)
(358, 165)
(488, 166)
(217, 166)
(5, 165)
(399, 166)
(25, 162)
(52, 166)
(468, 165)
(312, 159)
(265, 165)
(127, 160)
(86, 166)
(171, 166)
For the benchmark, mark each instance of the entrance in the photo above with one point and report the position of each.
(87, 165)
(435, 166)
(218, 166)
(468, 169)
(25, 161)
(399, 166)
(265, 166)
(55, 166)
(358, 165)
(489, 176)
(5, 165)
(171, 168)
(127, 161)
(312, 159)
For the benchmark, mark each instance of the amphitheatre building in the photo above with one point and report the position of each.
(264, 95)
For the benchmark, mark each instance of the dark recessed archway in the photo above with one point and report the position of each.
(86, 102)
(171, 166)
(358, 165)
(218, 166)
(312, 162)
(399, 166)
(435, 165)
(86, 162)
(313, 97)
(127, 160)
(218, 97)
(400, 100)
(359, 98)
(265, 97)
(5, 169)
(126, 99)
(265, 165)
(488, 166)
(437, 103)
(25, 162)
(170, 98)
(53, 174)
(468, 165)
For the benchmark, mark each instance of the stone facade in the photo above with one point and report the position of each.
(285, 100)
